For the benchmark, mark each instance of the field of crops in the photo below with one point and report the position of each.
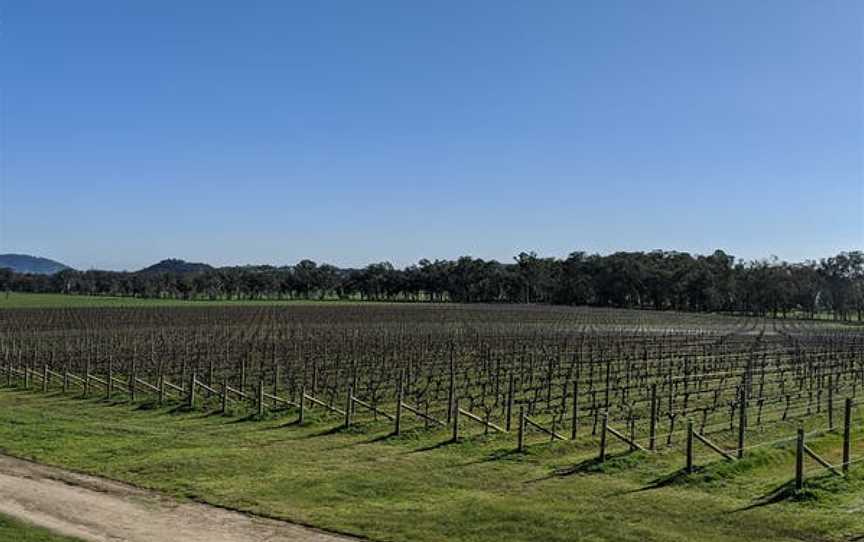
(554, 372)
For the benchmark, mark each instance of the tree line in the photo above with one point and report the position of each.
(660, 280)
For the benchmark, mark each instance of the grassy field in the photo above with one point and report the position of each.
(13, 530)
(415, 488)
(16, 300)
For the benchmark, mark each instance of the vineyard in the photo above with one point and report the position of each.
(646, 378)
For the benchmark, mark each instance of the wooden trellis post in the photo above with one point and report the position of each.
(132, 383)
(87, 378)
(109, 384)
(400, 393)
(652, 430)
(349, 403)
(510, 391)
(301, 415)
(455, 420)
(225, 396)
(847, 433)
(689, 466)
(191, 402)
(574, 423)
(161, 398)
(799, 460)
(603, 431)
(520, 441)
(803, 449)
(452, 403)
(742, 418)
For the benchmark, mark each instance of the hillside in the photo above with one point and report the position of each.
(23, 263)
(176, 266)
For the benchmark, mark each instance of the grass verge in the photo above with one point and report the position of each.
(17, 300)
(14, 530)
(417, 487)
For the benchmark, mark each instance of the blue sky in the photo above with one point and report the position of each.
(353, 132)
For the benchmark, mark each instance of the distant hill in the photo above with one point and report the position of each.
(176, 266)
(23, 263)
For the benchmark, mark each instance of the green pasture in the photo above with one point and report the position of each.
(420, 487)
(16, 531)
(16, 300)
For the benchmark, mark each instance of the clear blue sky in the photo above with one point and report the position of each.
(353, 132)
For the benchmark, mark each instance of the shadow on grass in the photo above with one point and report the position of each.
(678, 477)
(176, 410)
(248, 418)
(149, 406)
(497, 455)
(56, 394)
(335, 430)
(293, 423)
(391, 436)
(435, 446)
(781, 493)
(217, 413)
(593, 465)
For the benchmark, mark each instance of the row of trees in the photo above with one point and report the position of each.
(650, 280)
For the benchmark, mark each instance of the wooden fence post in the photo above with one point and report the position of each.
(689, 465)
(455, 420)
(451, 393)
(742, 418)
(87, 379)
(349, 402)
(45, 379)
(847, 433)
(799, 460)
(260, 397)
(109, 385)
(132, 383)
(520, 440)
(574, 423)
(652, 430)
(302, 414)
(224, 396)
(192, 390)
(830, 402)
(603, 436)
(400, 393)
(161, 398)
(510, 391)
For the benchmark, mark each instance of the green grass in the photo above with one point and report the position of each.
(17, 300)
(11, 529)
(417, 487)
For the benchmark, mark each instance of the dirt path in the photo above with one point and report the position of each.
(99, 510)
